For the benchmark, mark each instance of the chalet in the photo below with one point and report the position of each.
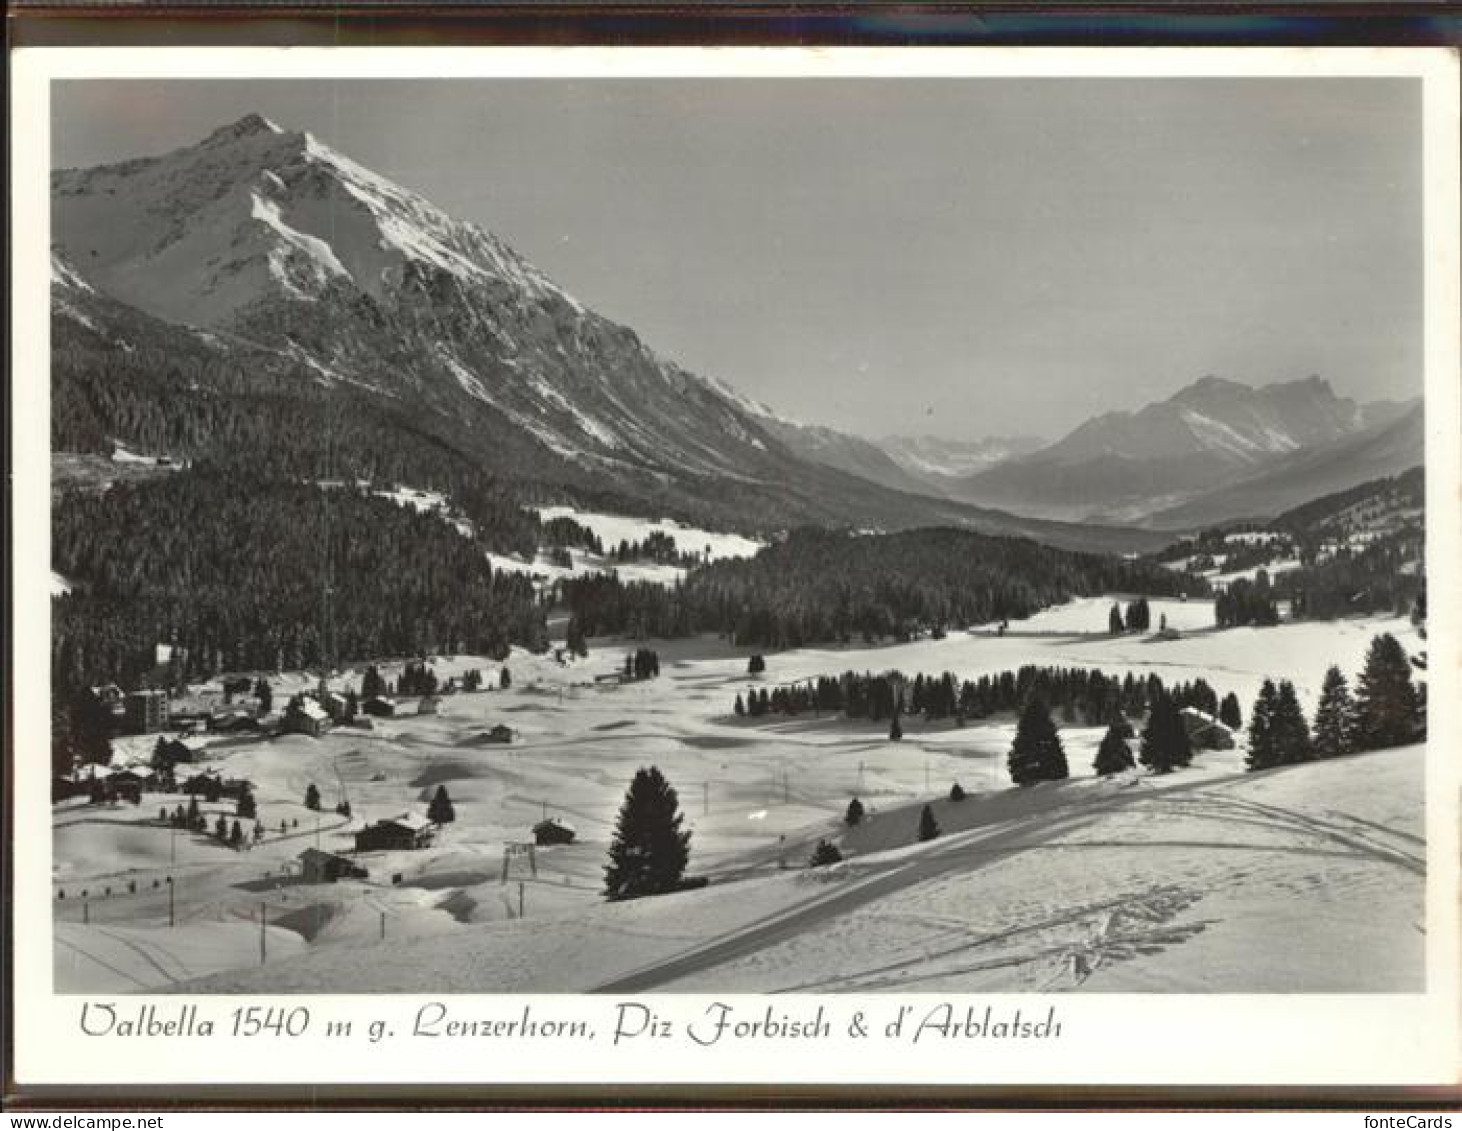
(146, 712)
(305, 716)
(395, 833)
(336, 706)
(379, 706)
(429, 705)
(1205, 732)
(553, 831)
(320, 867)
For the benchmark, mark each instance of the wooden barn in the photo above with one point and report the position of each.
(553, 831)
(320, 867)
(395, 833)
(305, 716)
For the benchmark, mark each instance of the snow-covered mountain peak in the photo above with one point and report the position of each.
(254, 213)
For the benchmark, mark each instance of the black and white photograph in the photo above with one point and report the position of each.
(623, 534)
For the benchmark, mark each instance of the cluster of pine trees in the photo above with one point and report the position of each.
(1380, 578)
(643, 663)
(1138, 617)
(1246, 602)
(417, 679)
(231, 569)
(1036, 754)
(830, 587)
(1387, 709)
(1081, 694)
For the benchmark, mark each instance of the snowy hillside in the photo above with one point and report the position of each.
(1186, 882)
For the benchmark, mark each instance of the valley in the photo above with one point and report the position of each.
(391, 583)
(1197, 869)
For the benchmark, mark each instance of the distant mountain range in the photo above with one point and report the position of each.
(1217, 449)
(259, 288)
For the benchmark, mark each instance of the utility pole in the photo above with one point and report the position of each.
(521, 886)
(383, 926)
(172, 914)
(860, 777)
(263, 944)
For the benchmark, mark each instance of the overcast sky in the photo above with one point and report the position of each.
(962, 257)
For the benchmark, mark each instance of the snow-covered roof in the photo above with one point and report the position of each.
(312, 710)
(554, 822)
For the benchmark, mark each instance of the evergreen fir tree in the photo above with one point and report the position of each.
(236, 836)
(312, 797)
(650, 851)
(1229, 713)
(957, 792)
(1262, 752)
(505, 678)
(854, 814)
(928, 826)
(1290, 733)
(756, 665)
(895, 730)
(1113, 755)
(740, 707)
(1165, 745)
(824, 854)
(246, 807)
(220, 827)
(575, 639)
(1114, 621)
(265, 695)
(1334, 716)
(1387, 708)
(441, 810)
(1036, 753)
(193, 815)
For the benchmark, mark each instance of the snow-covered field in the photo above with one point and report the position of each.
(612, 529)
(1208, 879)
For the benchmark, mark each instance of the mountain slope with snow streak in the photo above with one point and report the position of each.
(289, 261)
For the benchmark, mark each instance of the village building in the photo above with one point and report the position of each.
(379, 706)
(396, 833)
(553, 831)
(336, 706)
(320, 867)
(146, 712)
(305, 716)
